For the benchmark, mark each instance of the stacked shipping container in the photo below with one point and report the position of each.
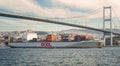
(67, 37)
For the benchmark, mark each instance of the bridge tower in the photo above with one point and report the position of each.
(107, 19)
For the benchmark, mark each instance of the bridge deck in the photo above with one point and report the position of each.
(55, 22)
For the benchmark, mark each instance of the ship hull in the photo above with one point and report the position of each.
(82, 44)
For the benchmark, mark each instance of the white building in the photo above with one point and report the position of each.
(29, 36)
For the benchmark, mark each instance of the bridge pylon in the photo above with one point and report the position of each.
(107, 19)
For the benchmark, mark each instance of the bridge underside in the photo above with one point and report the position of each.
(54, 22)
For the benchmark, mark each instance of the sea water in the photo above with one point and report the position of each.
(106, 56)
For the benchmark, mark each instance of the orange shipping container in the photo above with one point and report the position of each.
(87, 36)
(71, 37)
(51, 37)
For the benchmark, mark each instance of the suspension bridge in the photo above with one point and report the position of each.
(69, 24)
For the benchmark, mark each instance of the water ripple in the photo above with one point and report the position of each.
(60, 57)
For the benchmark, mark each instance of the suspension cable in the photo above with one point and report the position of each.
(116, 16)
(92, 13)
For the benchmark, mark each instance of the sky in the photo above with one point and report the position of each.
(83, 12)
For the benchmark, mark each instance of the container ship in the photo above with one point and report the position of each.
(59, 41)
(81, 44)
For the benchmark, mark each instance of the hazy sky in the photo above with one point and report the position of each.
(89, 12)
